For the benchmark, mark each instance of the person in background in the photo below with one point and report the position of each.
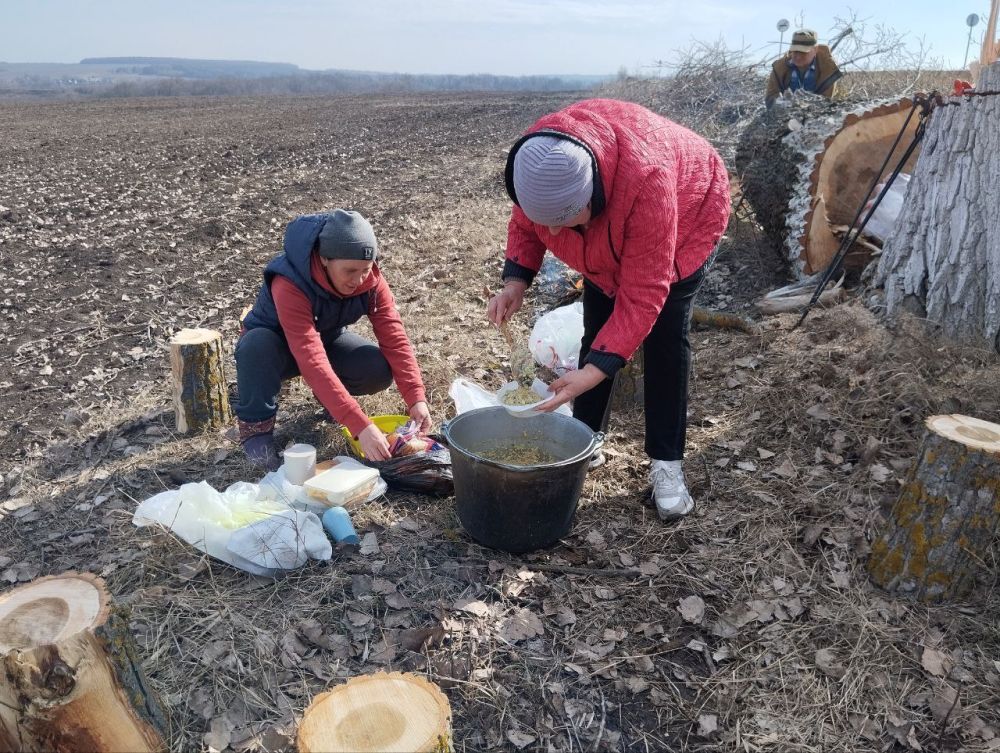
(326, 280)
(807, 66)
(636, 204)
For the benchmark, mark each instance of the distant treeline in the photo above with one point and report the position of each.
(194, 68)
(329, 83)
(166, 77)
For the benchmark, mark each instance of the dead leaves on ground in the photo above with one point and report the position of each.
(829, 664)
(521, 625)
(505, 615)
(937, 662)
(478, 629)
(692, 609)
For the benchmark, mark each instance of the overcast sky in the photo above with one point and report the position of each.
(444, 36)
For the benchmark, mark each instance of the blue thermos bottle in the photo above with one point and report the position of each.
(338, 524)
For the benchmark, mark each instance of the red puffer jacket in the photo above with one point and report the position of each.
(661, 204)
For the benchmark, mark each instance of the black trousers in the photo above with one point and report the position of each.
(666, 355)
(264, 361)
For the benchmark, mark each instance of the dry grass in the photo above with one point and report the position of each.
(892, 84)
(875, 386)
(776, 554)
(581, 647)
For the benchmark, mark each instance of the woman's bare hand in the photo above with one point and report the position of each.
(507, 302)
(373, 443)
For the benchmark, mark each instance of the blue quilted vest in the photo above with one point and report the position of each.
(800, 81)
(331, 313)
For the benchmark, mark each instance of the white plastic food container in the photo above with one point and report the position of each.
(346, 482)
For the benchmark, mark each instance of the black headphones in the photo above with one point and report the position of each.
(597, 201)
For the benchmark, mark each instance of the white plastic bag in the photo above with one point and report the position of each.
(469, 395)
(283, 541)
(239, 526)
(883, 220)
(555, 338)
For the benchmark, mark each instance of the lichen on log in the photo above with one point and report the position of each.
(629, 388)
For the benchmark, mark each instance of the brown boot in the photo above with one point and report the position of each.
(257, 440)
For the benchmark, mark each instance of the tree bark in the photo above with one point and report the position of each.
(944, 521)
(384, 711)
(942, 262)
(201, 398)
(805, 167)
(69, 677)
(629, 389)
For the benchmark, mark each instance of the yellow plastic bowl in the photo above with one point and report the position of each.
(388, 424)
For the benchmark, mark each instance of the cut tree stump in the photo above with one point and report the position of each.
(69, 677)
(943, 523)
(201, 398)
(629, 388)
(805, 167)
(380, 712)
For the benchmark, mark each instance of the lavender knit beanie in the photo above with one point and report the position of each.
(553, 179)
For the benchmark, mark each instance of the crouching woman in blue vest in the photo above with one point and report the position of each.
(326, 280)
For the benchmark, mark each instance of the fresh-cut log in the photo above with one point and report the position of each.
(943, 524)
(69, 677)
(386, 712)
(805, 168)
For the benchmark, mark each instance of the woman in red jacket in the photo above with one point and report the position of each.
(637, 204)
(325, 280)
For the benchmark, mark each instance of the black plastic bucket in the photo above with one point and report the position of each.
(511, 507)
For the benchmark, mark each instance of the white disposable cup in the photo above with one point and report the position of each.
(300, 463)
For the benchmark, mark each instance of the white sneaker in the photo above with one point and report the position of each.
(673, 501)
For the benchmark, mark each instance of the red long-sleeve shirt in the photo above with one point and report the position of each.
(296, 317)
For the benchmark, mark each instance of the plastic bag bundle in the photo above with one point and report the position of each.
(555, 338)
(240, 526)
(423, 472)
(468, 396)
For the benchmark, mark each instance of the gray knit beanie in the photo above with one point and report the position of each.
(553, 179)
(347, 235)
